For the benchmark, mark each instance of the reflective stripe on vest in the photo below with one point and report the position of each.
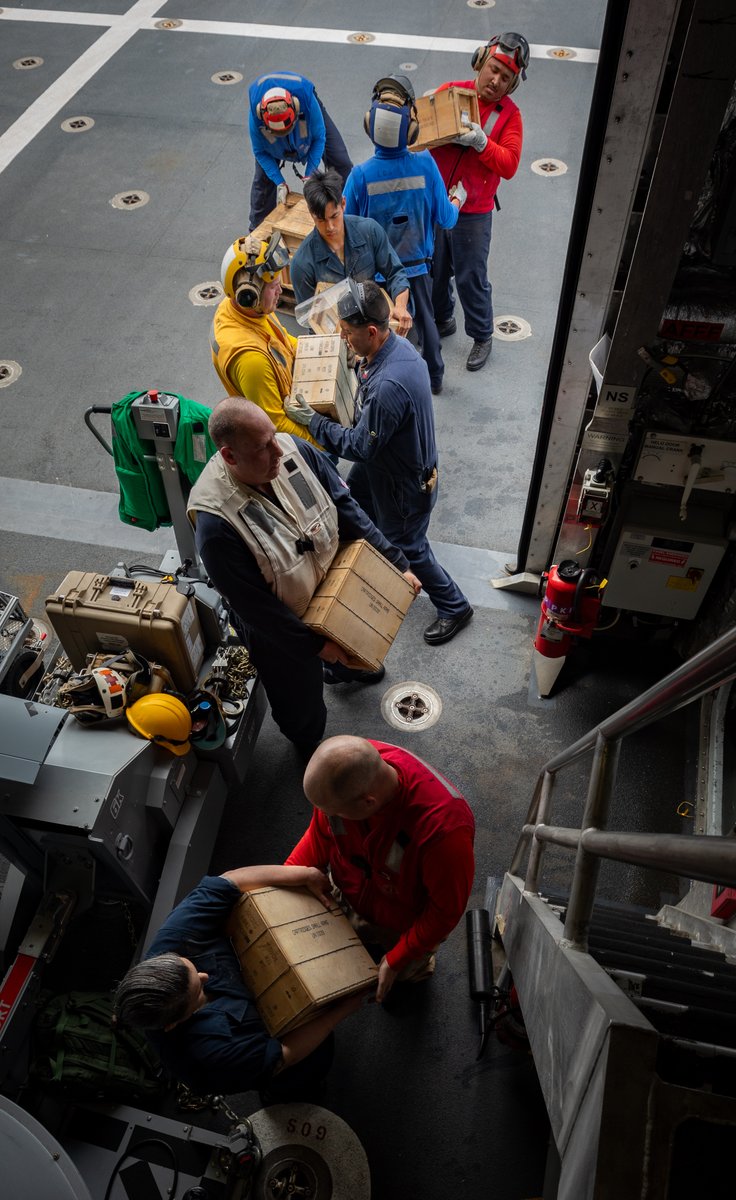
(496, 120)
(409, 183)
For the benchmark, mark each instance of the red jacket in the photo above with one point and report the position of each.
(482, 173)
(408, 869)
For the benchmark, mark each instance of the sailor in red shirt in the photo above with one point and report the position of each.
(487, 153)
(397, 841)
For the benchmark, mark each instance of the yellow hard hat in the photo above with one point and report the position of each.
(163, 719)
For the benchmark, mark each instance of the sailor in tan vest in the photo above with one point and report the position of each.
(268, 512)
(252, 352)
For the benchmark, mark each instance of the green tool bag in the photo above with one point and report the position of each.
(142, 495)
(77, 1051)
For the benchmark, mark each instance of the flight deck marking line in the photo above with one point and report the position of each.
(299, 33)
(49, 103)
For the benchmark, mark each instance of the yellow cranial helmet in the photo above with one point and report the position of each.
(248, 264)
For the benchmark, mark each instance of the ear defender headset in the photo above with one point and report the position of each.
(391, 121)
(509, 48)
(278, 110)
(261, 262)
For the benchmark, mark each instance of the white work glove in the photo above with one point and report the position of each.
(282, 192)
(298, 410)
(457, 192)
(474, 138)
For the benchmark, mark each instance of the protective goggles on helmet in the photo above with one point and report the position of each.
(260, 262)
(513, 51)
(394, 89)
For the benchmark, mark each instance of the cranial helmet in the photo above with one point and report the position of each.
(512, 49)
(278, 110)
(162, 719)
(102, 689)
(391, 122)
(248, 264)
(94, 695)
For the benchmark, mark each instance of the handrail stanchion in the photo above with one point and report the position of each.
(587, 865)
(544, 808)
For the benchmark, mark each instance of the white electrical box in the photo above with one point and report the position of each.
(655, 571)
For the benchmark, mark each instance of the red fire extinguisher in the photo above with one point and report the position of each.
(570, 606)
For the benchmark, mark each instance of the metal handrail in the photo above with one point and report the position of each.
(711, 859)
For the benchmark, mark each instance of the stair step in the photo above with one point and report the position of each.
(677, 950)
(689, 1021)
(674, 973)
(659, 987)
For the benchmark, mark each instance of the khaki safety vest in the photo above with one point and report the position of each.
(294, 541)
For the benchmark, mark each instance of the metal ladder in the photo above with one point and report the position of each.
(637, 1101)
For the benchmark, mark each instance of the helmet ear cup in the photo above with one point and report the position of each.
(247, 295)
(412, 130)
(480, 54)
(367, 122)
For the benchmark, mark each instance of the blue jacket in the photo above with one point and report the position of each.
(368, 255)
(224, 1046)
(305, 143)
(405, 194)
(394, 428)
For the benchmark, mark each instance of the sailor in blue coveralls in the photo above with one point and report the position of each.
(288, 123)
(392, 445)
(403, 191)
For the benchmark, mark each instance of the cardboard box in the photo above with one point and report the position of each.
(360, 604)
(296, 956)
(94, 613)
(322, 376)
(444, 115)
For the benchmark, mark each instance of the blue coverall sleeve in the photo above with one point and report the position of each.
(388, 263)
(200, 916)
(262, 151)
(444, 212)
(355, 194)
(316, 125)
(352, 522)
(374, 429)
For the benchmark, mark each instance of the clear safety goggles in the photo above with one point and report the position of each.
(275, 258)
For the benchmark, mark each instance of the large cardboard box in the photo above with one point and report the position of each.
(360, 604)
(444, 115)
(296, 956)
(323, 377)
(94, 613)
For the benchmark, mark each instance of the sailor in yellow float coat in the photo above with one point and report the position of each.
(252, 352)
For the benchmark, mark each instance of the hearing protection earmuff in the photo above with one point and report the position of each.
(394, 96)
(407, 115)
(513, 51)
(248, 294)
